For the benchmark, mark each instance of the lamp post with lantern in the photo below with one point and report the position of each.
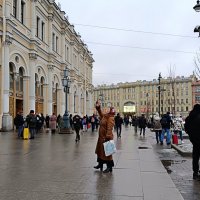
(159, 91)
(65, 128)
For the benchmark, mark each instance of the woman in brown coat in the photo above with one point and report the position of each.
(105, 134)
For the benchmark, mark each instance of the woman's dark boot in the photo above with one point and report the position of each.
(107, 170)
(99, 166)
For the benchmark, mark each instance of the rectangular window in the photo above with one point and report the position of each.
(43, 24)
(22, 11)
(53, 41)
(56, 44)
(37, 31)
(182, 101)
(15, 8)
(197, 88)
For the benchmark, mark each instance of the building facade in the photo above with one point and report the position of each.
(196, 92)
(37, 44)
(142, 97)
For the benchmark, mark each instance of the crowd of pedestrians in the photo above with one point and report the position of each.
(38, 123)
(164, 126)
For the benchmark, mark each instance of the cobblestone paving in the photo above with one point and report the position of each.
(179, 168)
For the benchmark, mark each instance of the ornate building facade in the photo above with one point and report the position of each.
(37, 44)
(142, 97)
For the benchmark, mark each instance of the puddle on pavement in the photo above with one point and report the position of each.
(168, 163)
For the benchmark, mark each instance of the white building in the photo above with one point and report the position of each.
(37, 44)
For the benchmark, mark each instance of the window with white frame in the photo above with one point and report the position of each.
(37, 26)
(15, 8)
(22, 11)
(57, 44)
(43, 31)
(53, 41)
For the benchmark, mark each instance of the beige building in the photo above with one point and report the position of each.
(143, 96)
(37, 44)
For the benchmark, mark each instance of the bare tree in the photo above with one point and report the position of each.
(172, 79)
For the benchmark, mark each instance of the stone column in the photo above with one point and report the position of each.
(50, 95)
(32, 57)
(26, 94)
(6, 118)
(59, 102)
(63, 53)
(19, 10)
(50, 19)
(85, 86)
(45, 94)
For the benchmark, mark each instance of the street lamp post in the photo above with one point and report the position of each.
(65, 128)
(197, 9)
(159, 90)
(147, 105)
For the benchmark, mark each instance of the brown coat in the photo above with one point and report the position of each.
(105, 133)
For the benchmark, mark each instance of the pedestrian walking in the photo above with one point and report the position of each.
(19, 123)
(84, 123)
(178, 127)
(142, 124)
(118, 124)
(92, 120)
(47, 118)
(77, 126)
(157, 127)
(192, 128)
(166, 123)
(53, 121)
(135, 123)
(105, 134)
(31, 123)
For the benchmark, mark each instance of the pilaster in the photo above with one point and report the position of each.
(50, 95)
(32, 58)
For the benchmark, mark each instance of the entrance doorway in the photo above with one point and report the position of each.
(19, 106)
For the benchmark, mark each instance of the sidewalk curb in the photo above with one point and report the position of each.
(181, 151)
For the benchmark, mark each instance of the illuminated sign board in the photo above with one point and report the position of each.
(128, 109)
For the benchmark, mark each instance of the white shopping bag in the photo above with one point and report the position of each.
(109, 147)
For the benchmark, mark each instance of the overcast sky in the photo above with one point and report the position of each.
(129, 41)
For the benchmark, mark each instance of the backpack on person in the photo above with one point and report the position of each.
(164, 122)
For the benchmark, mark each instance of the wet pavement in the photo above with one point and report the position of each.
(53, 166)
(178, 163)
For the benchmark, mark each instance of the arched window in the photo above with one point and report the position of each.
(20, 79)
(11, 76)
(36, 84)
(42, 87)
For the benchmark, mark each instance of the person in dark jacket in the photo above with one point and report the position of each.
(77, 126)
(135, 123)
(118, 124)
(31, 122)
(142, 124)
(166, 123)
(192, 128)
(47, 119)
(19, 123)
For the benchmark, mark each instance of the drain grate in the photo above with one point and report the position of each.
(143, 147)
